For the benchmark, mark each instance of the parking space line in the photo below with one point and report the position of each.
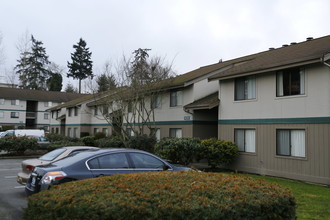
(19, 187)
(9, 177)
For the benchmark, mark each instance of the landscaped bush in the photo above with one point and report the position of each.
(218, 152)
(142, 142)
(17, 145)
(99, 135)
(178, 150)
(84, 134)
(110, 142)
(88, 140)
(164, 195)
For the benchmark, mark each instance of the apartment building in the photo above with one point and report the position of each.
(276, 106)
(23, 108)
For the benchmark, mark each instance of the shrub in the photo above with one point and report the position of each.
(52, 137)
(84, 134)
(218, 152)
(142, 142)
(99, 135)
(18, 145)
(178, 150)
(88, 140)
(164, 195)
(113, 142)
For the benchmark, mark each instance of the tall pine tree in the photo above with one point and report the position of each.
(32, 67)
(81, 66)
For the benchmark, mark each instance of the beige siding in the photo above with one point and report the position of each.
(314, 168)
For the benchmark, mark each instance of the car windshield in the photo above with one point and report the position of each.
(52, 155)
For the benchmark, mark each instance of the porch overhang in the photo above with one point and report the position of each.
(207, 102)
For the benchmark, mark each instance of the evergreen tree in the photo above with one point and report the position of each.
(32, 67)
(81, 66)
(54, 82)
(106, 80)
(70, 88)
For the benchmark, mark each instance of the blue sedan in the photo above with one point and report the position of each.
(96, 163)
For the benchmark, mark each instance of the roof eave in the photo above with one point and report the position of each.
(235, 75)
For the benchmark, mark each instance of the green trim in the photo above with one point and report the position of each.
(13, 110)
(150, 123)
(20, 110)
(316, 120)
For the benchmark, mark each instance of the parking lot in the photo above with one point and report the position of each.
(12, 195)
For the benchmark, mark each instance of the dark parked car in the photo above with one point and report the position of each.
(52, 156)
(95, 163)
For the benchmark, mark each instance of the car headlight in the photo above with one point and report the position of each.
(50, 177)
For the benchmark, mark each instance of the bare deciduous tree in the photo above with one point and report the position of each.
(130, 108)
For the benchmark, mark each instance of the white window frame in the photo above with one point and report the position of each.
(245, 138)
(280, 82)
(14, 114)
(175, 132)
(46, 116)
(14, 102)
(2, 101)
(69, 132)
(245, 88)
(291, 142)
(2, 114)
(155, 102)
(176, 98)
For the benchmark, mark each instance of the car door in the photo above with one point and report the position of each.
(142, 162)
(109, 164)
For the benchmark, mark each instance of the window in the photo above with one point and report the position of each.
(105, 109)
(110, 161)
(105, 131)
(96, 112)
(53, 131)
(96, 130)
(56, 130)
(69, 112)
(290, 143)
(175, 132)
(155, 102)
(130, 132)
(246, 140)
(2, 114)
(155, 132)
(290, 82)
(48, 104)
(129, 107)
(146, 161)
(176, 98)
(69, 132)
(245, 88)
(75, 132)
(14, 114)
(15, 102)
(2, 101)
(75, 111)
(46, 116)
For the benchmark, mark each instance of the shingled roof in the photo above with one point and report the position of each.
(297, 54)
(207, 102)
(37, 95)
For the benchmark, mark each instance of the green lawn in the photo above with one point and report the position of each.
(313, 201)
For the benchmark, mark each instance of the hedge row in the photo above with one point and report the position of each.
(164, 195)
(17, 145)
(186, 150)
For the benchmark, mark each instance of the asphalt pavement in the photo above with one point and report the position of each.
(12, 195)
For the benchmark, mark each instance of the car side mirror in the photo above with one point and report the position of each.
(166, 167)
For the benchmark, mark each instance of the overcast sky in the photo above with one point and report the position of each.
(191, 33)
